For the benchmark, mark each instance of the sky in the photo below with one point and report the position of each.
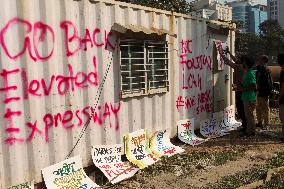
(263, 2)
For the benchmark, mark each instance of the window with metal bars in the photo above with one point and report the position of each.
(144, 67)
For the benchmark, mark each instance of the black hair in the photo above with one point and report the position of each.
(247, 60)
(280, 59)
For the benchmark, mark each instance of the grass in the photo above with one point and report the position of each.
(254, 174)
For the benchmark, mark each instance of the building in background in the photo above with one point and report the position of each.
(240, 13)
(257, 15)
(275, 9)
(248, 15)
(213, 10)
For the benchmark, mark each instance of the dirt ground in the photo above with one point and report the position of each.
(228, 162)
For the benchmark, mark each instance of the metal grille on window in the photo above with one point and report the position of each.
(157, 64)
(144, 67)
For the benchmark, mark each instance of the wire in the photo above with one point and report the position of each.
(100, 89)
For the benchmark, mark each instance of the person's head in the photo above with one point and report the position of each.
(262, 60)
(280, 60)
(247, 62)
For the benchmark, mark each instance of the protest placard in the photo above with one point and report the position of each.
(108, 159)
(67, 174)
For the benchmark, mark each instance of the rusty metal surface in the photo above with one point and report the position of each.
(54, 56)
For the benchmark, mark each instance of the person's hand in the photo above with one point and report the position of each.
(226, 51)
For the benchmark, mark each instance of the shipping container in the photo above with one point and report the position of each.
(80, 73)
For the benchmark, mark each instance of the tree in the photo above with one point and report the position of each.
(180, 6)
(248, 44)
(271, 35)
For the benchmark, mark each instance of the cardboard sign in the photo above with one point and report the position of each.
(161, 145)
(67, 174)
(220, 50)
(229, 117)
(186, 132)
(211, 128)
(225, 128)
(26, 185)
(137, 149)
(108, 159)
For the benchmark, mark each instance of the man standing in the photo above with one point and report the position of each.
(237, 86)
(249, 95)
(264, 89)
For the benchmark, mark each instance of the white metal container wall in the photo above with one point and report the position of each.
(22, 161)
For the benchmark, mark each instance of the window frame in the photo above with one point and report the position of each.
(146, 63)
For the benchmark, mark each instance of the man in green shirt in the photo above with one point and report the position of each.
(249, 93)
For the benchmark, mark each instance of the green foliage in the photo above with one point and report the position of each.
(270, 41)
(272, 35)
(180, 6)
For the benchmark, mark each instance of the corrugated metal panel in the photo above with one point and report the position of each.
(40, 82)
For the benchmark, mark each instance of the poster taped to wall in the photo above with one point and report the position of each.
(26, 185)
(161, 145)
(108, 159)
(186, 132)
(67, 174)
(220, 46)
(137, 149)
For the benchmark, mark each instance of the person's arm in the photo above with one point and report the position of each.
(229, 62)
(232, 56)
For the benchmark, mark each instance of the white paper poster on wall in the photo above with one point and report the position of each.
(225, 128)
(108, 159)
(211, 128)
(186, 132)
(26, 185)
(161, 145)
(137, 149)
(67, 174)
(220, 46)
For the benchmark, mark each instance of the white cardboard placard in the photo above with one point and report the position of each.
(137, 149)
(161, 145)
(186, 132)
(108, 159)
(229, 117)
(67, 174)
(211, 128)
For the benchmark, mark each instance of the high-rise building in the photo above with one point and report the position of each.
(248, 16)
(212, 9)
(241, 11)
(276, 11)
(257, 15)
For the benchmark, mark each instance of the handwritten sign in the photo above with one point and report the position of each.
(67, 174)
(108, 159)
(229, 117)
(211, 128)
(137, 149)
(26, 185)
(161, 145)
(186, 132)
(220, 46)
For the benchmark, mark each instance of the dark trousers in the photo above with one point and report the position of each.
(240, 109)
